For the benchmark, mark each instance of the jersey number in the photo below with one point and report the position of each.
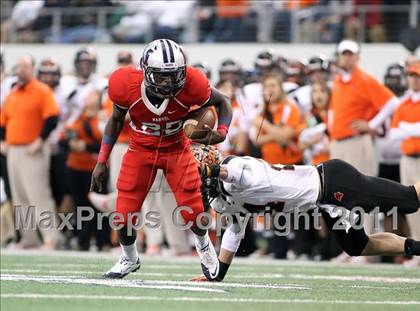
(155, 129)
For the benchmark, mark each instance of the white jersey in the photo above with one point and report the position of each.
(302, 97)
(253, 181)
(61, 94)
(76, 94)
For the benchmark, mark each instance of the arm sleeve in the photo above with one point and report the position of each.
(384, 113)
(49, 125)
(410, 129)
(232, 238)
(3, 121)
(2, 133)
(3, 116)
(397, 134)
(308, 133)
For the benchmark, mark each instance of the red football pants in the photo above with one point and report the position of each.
(138, 172)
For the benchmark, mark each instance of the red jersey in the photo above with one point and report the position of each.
(155, 127)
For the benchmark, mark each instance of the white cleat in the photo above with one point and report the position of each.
(122, 268)
(209, 261)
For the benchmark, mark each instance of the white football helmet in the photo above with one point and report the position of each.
(164, 66)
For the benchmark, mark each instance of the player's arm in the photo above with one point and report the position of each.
(112, 131)
(235, 172)
(224, 114)
(230, 243)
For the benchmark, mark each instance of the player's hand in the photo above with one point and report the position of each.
(3, 147)
(212, 137)
(98, 177)
(35, 146)
(200, 278)
(361, 127)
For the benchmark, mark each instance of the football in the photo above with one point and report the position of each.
(196, 121)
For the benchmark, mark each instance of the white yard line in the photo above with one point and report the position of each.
(193, 259)
(213, 299)
(153, 284)
(373, 279)
(190, 275)
(107, 282)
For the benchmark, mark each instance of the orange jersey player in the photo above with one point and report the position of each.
(158, 98)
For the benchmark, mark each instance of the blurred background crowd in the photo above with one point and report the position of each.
(118, 21)
(285, 110)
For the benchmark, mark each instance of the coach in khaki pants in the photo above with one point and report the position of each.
(28, 116)
(356, 98)
(406, 127)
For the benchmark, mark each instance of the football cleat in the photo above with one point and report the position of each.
(209, 261)
(122, 268)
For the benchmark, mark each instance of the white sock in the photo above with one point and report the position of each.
(130, 252)
(201, 241)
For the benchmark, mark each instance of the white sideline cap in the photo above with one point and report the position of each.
(348, 45)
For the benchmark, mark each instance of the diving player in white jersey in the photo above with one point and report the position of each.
(244, 184)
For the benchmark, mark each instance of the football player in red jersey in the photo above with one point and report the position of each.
(158, 97)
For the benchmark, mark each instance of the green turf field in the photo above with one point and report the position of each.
(72, 281)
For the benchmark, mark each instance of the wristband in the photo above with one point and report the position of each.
(104, 152)
(223, 268)
(222, 129)
(212, 170)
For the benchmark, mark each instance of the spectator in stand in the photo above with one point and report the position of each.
(206, 17)
(229, 22)
(82, 27)
(283, 17)
(373, 19)
(329, 21)
(406, 127)
(28, 155)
